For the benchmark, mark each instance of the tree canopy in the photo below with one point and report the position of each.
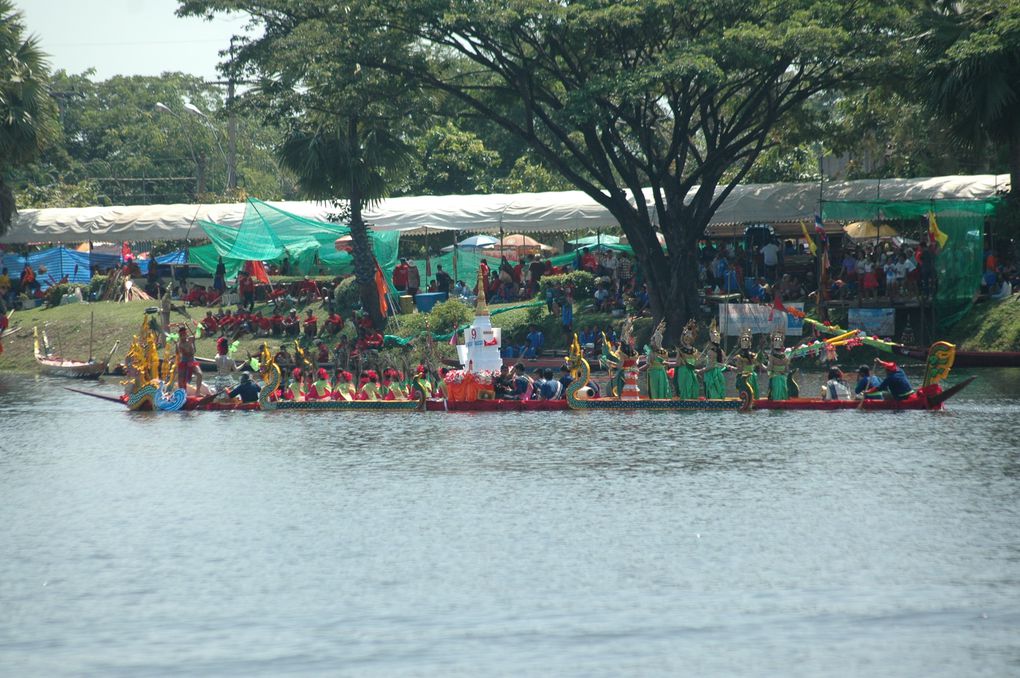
(27, 111)
(617, 96)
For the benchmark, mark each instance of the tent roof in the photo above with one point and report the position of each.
(521, 212)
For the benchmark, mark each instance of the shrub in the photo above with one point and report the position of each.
(445, 316)
(582, 281)
(55, 293)
(346, 295)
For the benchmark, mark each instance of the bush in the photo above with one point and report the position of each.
(582, 281)
(55, 293)
(96, 285)
(445, 316)
(346, 295)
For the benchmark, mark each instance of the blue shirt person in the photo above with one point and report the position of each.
(247, 389)
(866, 381)
(895, 381)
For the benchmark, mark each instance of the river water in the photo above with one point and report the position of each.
(566, 544)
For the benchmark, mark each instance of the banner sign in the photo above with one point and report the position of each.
(761, 318)
(880, 322)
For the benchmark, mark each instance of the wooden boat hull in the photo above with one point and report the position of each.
(439, 405)
(71, 368)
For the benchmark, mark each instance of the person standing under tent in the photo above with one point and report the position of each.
(220, 277)
(413, 279)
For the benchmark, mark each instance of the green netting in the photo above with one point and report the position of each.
(958, 264)
(270, 234)
(465, 268)
(569, 257)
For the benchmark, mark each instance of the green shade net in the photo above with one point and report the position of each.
(958, 265)
(270, 234)
(569, 257)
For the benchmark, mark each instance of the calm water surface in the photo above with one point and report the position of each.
(566, 544)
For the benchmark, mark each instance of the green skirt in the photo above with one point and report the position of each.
(686, 383)
(748, 383)
(715, 384)
(778, 388)
(658, 384)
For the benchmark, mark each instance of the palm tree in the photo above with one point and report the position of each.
(28, 114)
(351, 158)
(970, 73)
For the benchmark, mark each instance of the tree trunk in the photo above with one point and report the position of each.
(672, 279)
(365, 265)
(1014, 162)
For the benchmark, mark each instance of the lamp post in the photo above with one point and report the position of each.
(199, 159)
(229, 159)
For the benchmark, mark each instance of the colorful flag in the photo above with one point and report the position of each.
(810, 241)
(380, 286)
(933, 230)
(820, 229)
(777, 304)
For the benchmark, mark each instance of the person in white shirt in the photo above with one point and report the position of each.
(835, 388)
(770, 257)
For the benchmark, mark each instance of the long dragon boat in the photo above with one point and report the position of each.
(150, 380)
(930, 396)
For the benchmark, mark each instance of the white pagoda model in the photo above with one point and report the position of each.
(482, 341)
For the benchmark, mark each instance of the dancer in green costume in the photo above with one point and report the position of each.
(613, 360)
(685, 373)
(747, 363)
(779, 365)
(658, 381)
(715, 363)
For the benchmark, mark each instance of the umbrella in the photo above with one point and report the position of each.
(473, 243)
(595, 240)
(515, 246)
(867, 230)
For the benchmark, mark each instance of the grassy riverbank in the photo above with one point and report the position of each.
(67, 327)
(990, 326)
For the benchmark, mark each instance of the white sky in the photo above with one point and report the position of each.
(127, 37)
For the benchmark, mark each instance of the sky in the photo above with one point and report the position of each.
(127, 37)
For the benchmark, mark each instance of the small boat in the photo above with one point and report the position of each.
(57, 366)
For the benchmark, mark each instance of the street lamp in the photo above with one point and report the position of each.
(199, 164)
(231, 160)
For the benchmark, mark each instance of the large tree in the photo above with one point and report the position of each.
(348, 127)
(116, 139)
(619, 96)
(970, 72)
(27, 112)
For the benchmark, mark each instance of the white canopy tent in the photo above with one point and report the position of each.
(561, 211)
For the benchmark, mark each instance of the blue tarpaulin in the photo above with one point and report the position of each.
(58, 262)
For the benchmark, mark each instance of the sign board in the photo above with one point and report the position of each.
(761, 318)
(880, 322)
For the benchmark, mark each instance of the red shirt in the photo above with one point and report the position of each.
(209, 324)
(400, 276)
(311, 325)
(247, 285)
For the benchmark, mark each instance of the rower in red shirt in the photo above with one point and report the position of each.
(209, 324)
(334, 323)
(276, 324)
(311, 324)
(320, 389)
